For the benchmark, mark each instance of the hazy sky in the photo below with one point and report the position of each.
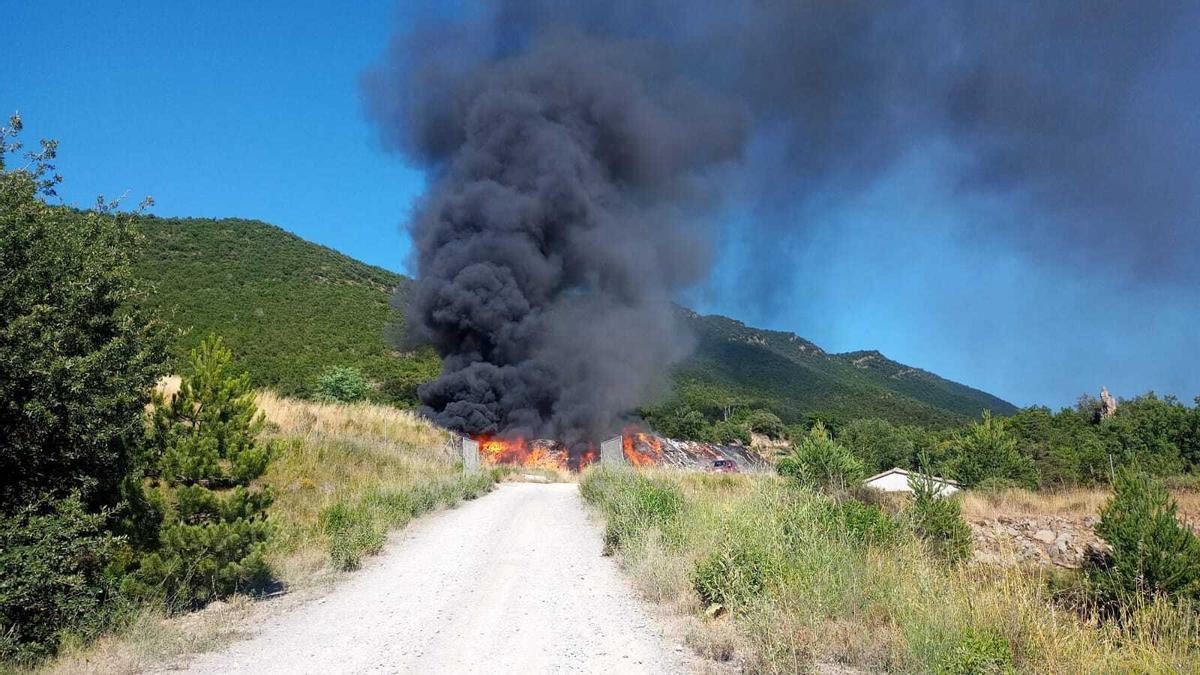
(254, 110)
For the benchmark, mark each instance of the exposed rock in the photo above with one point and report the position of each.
(1108, 404)
(1036, 540)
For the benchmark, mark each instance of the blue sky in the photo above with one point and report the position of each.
(253, 110)
(247, 109)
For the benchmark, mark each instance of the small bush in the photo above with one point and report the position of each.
(1153, 554)
(340, 384)
(938, 521)
(360, 529)
(979, 652)
(736, 574)
(858, 522)
(352, 533)
(633, 504)
(52, 576)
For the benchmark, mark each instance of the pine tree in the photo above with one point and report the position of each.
(208, 455)
(1153, 553)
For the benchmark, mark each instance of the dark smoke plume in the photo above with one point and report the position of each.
(573, 145)
(558, 226)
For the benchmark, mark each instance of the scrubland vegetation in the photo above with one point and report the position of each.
(354, 471)
(787, 577)
(1031, 449)
(341, 477)
(123, 503)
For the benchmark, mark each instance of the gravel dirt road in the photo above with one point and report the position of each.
(512, 582)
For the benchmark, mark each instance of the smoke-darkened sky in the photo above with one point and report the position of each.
(1002, 193)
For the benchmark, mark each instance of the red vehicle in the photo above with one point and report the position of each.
(724, 466)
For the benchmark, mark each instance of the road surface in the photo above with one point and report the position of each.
(511, 582)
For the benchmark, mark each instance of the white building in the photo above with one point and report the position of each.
(896, 480)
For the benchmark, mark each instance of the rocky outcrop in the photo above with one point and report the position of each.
(1108, 404)
(1038, 540)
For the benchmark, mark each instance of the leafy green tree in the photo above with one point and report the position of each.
(878, 444)
(205, 440)
(728, 433)
(1153, 553)
(342, 384)
(1153, 433)
(820, 460)
(78, 358)
(988, 450)
(766, 423)
(677, 421)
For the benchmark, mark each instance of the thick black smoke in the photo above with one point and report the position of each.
(559, 223)
(571, 144)
(1084, 108)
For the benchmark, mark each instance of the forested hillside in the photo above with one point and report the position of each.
(288, 308)
(793, 377)
(291, 308)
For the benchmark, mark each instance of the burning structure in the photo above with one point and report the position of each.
(632, 447)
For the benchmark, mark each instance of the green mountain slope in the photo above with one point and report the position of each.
(291, 308)
(288, 307)
(794, 377)
(924, 385)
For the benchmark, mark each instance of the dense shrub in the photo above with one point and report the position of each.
(1153, 553)
(858, 522)
(52, 575)
(988, 450)
(77, 354)
(998, 485)
(735, 574)
(341, 384)
(765, 422)
(878, 444)
(979, 651)
(938, 520)
(728, 433)
(352, 533)
(205, 439)
(821, 461)
(78, 357)
(632, 503)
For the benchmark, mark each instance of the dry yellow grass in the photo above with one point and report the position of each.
(1075, 503)
(358, 422)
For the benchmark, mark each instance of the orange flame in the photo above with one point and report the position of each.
(541, 454)
(589, 456)
(642, 449)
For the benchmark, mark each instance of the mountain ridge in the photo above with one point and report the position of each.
(291, 308)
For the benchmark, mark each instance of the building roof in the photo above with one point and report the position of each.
(907, 473)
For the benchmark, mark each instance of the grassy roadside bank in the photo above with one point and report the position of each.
(803, 583)
(346, 474)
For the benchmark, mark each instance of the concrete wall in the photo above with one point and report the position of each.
(611, 451)
(470, 455)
